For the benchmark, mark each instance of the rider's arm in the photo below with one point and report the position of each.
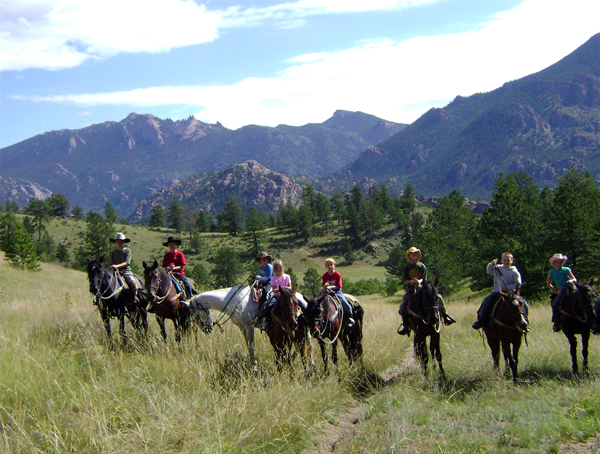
(572, 278)
(550, 284)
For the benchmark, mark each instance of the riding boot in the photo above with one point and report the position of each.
(405, 331)
(479, 322)
(448, 320)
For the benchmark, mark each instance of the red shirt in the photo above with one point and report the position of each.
(176, 258)
(332, 279)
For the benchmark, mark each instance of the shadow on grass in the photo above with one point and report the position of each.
(231, 373)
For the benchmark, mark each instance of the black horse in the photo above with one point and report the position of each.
(424, 318)
(113, 299)
(325, 318)
(577, 317)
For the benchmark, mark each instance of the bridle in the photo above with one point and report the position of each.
(150, 288)
(516, 326)
(318, 320)
(436, 308)
(285, 316)
(98, 284)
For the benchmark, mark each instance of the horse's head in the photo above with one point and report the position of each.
(515, 308)
(581, 299)
(430, 303)
(96, 273)
(152, 279)
(289, 306)
(314, 315)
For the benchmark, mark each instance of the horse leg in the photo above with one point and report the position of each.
(585, 337)
(248, 331)
(573, 350)
(509, 360)
(122, 332)
(421, 351)
(436, 353)
(178, 328)
(106, 321)
(334, 355)
(309, 347)
(495, 348)
(515, 355)
(324, 355)
(161, 323)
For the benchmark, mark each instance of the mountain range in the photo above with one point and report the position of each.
(542, 124)
(125, 162)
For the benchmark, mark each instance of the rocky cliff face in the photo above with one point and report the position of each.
(251, 183)
(21, 191)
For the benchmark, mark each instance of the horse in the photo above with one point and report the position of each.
(113, 301)
(238, 305)
(424, 318)
(325, 317)
(165, 300)
(505, 327)
(288, 328)
(577, 318)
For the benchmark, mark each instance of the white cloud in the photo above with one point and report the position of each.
(397, 81)
(65, 33)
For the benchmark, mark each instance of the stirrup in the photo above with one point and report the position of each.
(448, 320)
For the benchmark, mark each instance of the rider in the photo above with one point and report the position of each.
(265, 274)
(174, 261)
(414, 273)
(506, 277)
(332, 280)
(121, 258)
(279, 279)
(558, 278)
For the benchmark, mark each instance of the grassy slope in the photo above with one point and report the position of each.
(63, 390)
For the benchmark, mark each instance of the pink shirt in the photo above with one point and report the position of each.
(284, 281)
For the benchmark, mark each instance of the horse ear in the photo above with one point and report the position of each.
(88, 259)
(101, 259)
(295, 288)
(155, 264)
(144, 264)
(436, 281)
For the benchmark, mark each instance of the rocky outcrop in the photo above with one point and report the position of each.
(21, 191)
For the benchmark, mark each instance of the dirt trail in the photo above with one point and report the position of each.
(345, 426)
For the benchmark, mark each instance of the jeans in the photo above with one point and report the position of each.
(186, 284)
(556, 304)
(345, 304)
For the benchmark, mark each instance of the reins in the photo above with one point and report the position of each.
(100, 294)
(218, 320)
(338, 305)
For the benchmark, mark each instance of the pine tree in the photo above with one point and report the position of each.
(175, 216)
(255, 230)
(96, 239)
(58, 206)
(77, 213)
(38, 209)
(312, 282)
(18, 247)
(110, 214)
(157, 216)
(230, 220)
(228, 268)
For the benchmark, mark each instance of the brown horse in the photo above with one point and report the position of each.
(113, 301)
(165, 300)
(577, 317)
(505, 327)
(326, 319)
(424, 319)
(288, 328)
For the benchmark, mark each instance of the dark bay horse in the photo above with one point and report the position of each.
(288, 329)
(425, 320)
(505, 328)
(113, 300)
(577, 317)
(326, 319)
(165, 300)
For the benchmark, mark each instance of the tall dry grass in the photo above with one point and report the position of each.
(62, 389)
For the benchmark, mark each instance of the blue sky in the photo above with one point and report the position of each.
(67, 64)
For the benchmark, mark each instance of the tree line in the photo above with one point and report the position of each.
(529, 222)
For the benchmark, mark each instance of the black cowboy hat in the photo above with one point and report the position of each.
(172, 239)
(119, 236)
(264, 255)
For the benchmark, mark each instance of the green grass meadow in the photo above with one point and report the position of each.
(63, 390)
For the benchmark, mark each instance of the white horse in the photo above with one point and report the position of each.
(237, 304)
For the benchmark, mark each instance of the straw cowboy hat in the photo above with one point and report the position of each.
(556, 257)
(172, 239)
(119, 236)
(264, 255)
(411, 250)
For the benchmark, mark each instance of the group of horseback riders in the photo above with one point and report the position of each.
(271, 276)
(173, 262)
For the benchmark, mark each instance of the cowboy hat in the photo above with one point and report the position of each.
(556, 257)
(264, 255)
(412, 250)
(119, 236)
(172, 239)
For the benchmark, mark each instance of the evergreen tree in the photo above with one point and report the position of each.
(408, 201)
(38, 209)
(228, 268)
(309, 196)
(204, 222)
(62, 253)
(396, 261)
(323, 210)
(157, 216)
(19, 249)
(573, 225)
(11, 205)
(110, 214)
(96, 239)
(77, 213)
(175, 216)
(304, 227)
(255, 230)
(58, 206)
(230, 220)
(288, 218)
(196, 242)
(201, 277)
(447, 241)
(312, 282)
(349, 254)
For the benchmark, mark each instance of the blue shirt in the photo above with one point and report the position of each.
(265, 273)
(560, 277)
